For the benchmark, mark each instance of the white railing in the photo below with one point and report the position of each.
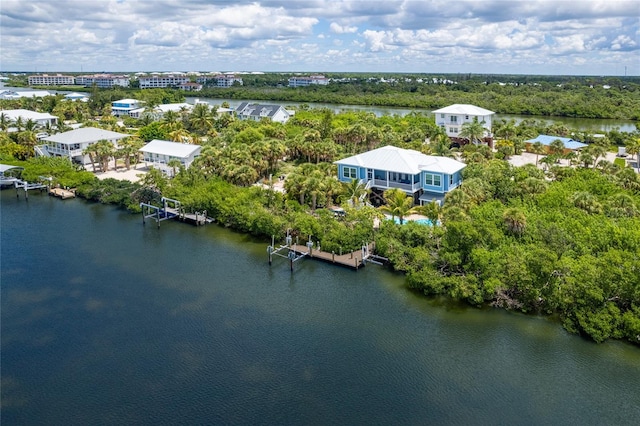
(383, 183)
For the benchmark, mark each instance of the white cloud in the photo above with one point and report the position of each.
(340, 29)
(402, 35)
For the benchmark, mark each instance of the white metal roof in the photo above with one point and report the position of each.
(126, 101)
(5, 167)
(172, 149)
(13, 114)
(85, 135)
(393, 159)
(173, 107)
(463, 109)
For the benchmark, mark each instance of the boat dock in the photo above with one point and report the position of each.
(26, 186)
(62, 193)
(172, 209)
(294, 252)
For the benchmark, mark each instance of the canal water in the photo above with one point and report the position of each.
(109, 321)
(594, 125)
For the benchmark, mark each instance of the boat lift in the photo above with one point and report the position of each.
(289, 251)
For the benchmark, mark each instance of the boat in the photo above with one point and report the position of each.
(9, 174)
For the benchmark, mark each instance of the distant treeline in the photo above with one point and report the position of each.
(559, 96)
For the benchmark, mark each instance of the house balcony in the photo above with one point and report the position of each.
(64, 152)
(389, 184)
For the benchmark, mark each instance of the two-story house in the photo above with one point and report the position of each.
(257, 112)
(72, 144)
(123, 107)
(424, 177)
(159, 153)
(452, 118)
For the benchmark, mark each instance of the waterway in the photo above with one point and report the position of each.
(107, 321)
(594, 125)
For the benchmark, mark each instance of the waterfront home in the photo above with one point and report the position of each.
(17, 94)
(75, 96)
(123, 107)
(41, 119)
(452, 118)
(424, 177)
(71, 144)
(158, 111)
(159, 153)
(256, 112)
(546, 141)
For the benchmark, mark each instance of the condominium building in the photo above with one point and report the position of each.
(220, 80)
(103, 81)
(51, 80)
(153, 81)
(300, 81)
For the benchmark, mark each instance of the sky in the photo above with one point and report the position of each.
(315, 36)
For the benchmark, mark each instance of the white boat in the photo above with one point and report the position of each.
(9, 174)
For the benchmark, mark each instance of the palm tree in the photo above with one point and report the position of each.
(104, 150)
(432, 210)
(92, 152)
(622, 205)
(515, 220)
(538, 149)
(171, 120)
(473, 131)
(201, 118)
(399, 204)
(586, 201)
(457, 198)
(556, 147)
(4, 121)
(174, 163)
(314, 186)
(633, 148)
(129, 147)
(354, 190)
(533, 185)
(180, 135)
(597, 151)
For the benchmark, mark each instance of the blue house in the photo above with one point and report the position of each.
(424, 177)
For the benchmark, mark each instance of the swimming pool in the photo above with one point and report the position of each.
(425, 222)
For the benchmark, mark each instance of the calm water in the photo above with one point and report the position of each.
(107, 321)
(586, 124)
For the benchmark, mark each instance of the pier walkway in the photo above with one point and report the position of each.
(295, 252)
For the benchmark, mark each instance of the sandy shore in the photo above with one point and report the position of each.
(132, 175)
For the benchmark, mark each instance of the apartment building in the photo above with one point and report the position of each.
(51, 80)
(103, 81)
(167, 80)
(303, 81)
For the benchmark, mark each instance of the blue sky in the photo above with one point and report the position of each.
(431, 36)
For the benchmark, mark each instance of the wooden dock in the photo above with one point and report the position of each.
(354, 260)
(295, 252)
(62, 193)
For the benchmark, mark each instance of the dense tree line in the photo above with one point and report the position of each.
(561, 96)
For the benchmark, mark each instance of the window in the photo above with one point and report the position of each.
(466, 117)
(432, 180)
(441, 115)
(450, 180)
(453, 130)
(454, 118)
(349, 172)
